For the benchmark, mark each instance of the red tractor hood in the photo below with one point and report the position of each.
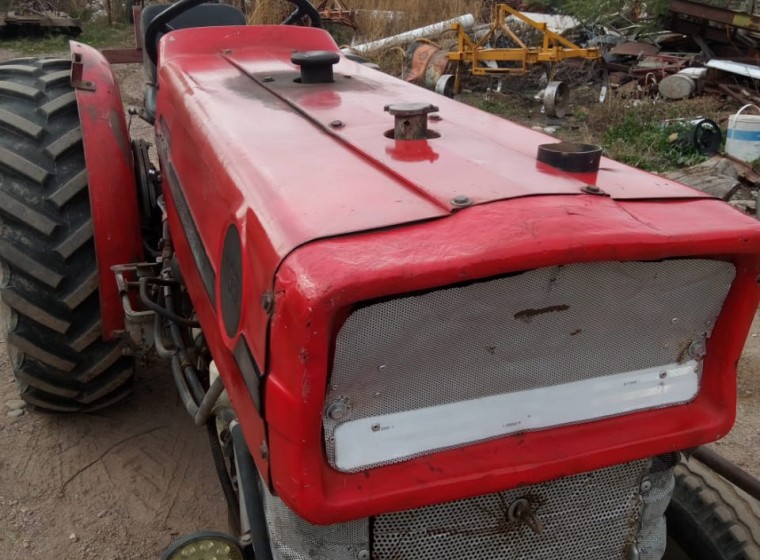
(313, 160)
(244, 145)
(289, 207)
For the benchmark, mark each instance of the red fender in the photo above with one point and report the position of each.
(110, 172)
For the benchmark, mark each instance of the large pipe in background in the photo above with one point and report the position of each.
(731, 472)
(466, 21)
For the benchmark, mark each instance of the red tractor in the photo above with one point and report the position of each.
(413, 330)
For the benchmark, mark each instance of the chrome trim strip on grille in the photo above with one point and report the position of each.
(381, 439)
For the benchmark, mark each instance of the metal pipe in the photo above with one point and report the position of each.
(728, 470)
(233, 507)
(182, 388)
(466, 21)
(208, 402)
(153, 306)
(158, 342)
(189, 371)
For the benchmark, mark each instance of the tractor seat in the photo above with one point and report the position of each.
(203, 15)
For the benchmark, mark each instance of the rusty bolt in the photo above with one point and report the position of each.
(461, 201)
(435, 117)
(268, 79)
(267, 301)
(697, 350)
(337, 124)
(337, 410)
(592, 189)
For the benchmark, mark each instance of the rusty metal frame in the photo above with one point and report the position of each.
(334, 11)
(715, 14)
(128, 56)
(553, 49)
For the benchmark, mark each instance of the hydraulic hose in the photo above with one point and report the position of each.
(248, 477)
(233, 506)
(188, 370)
(209, 400)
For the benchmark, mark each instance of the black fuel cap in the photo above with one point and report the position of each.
(316, 66)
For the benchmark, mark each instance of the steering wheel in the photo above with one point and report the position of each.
(160, 23)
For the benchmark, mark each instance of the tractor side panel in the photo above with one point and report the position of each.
(218, 291)
(110, 174)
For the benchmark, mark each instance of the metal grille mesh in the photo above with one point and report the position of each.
(592, 516)
(600, 515)
(534, 329)
(656, 491)
(292, 538)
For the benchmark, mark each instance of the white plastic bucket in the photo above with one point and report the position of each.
(743, 135)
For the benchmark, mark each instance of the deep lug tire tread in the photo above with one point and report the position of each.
(49, 287)
(712, 516)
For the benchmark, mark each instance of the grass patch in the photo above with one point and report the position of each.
(97, 34)
(651, 145)
(634, 132)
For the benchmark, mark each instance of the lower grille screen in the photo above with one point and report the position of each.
(592, 516)
(614, 513)
(573, 328)
(293, 538)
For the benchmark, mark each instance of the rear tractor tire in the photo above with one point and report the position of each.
(49, 283)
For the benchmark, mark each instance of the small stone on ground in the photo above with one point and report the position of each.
(15, 404)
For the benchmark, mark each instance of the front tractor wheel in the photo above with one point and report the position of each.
(709, 518)
(49, 287)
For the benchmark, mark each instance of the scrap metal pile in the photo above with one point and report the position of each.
(697, 49)
(702, 49)
(29, 15)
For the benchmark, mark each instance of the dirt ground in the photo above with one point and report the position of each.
(121, 484)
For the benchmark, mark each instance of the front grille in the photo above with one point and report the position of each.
(606, 514)
(536, 329)
(592, 516)
(292, 538)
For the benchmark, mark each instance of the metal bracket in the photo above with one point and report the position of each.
(139, 324)
(77, 69)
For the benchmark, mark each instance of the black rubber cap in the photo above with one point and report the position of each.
(316, 66)
(571, 156)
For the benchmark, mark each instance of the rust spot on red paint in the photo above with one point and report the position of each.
(527, 315)
(303, 355)
(118, 134)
